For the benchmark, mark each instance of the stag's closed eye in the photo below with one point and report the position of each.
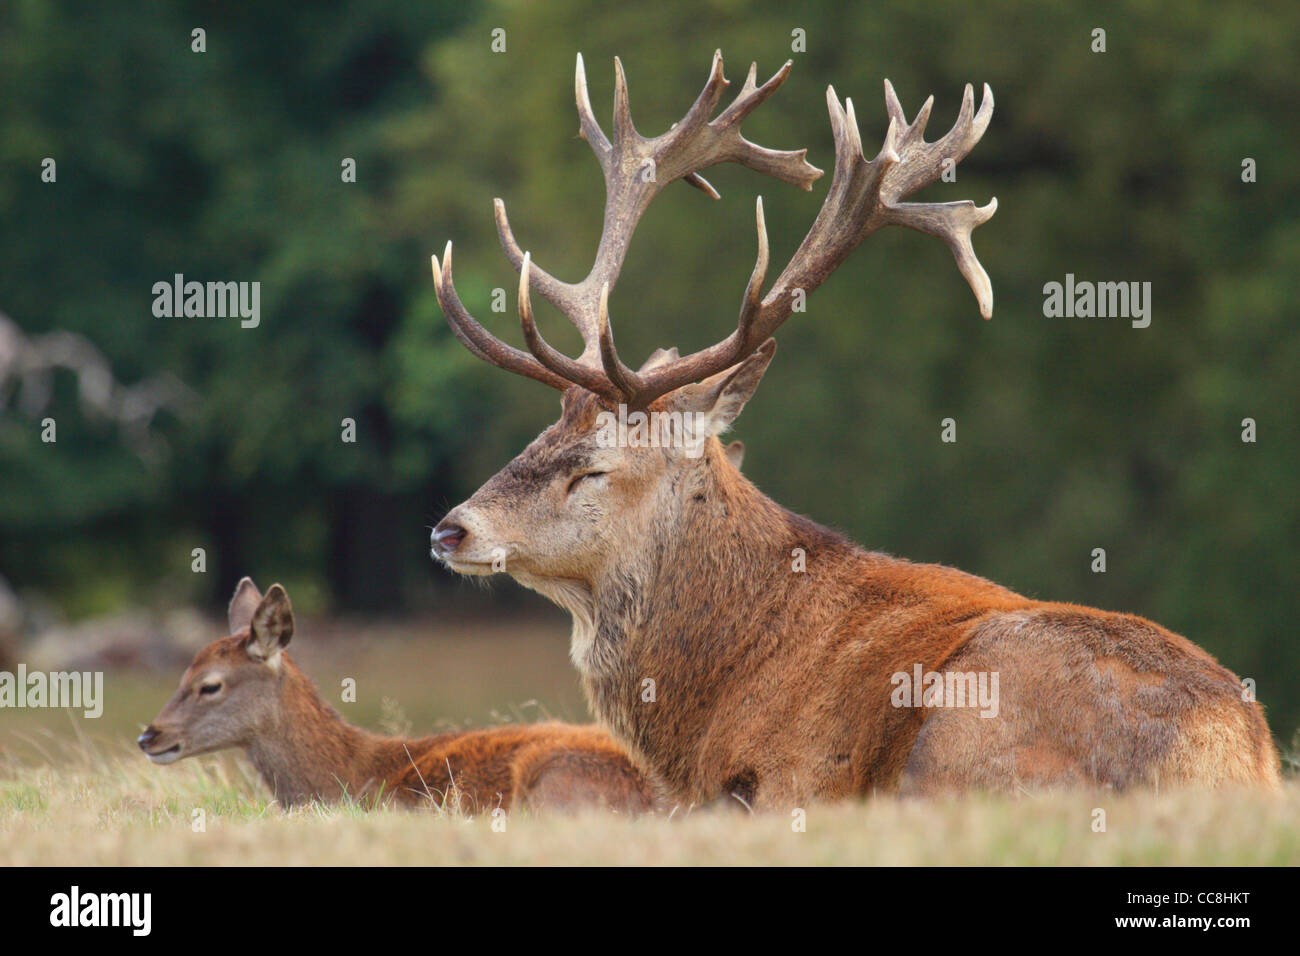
(579, 479)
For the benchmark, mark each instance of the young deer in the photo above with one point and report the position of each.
(780, 651)
(245, 691)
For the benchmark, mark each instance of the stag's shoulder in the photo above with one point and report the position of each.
(884, 579)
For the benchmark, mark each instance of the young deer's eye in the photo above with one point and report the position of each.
(209, 688)
(579, 479)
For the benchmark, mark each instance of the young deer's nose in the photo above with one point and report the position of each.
(146, 738)
(447, 537)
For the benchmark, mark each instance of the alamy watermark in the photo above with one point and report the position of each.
(131, 911)
(923, 688)
(685, 430)
(1102, 300)
(55, 689)
(208, 300)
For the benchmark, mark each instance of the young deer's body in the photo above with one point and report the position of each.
(245, 691)
(775, 646)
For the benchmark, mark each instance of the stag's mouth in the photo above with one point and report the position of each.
(167, 755)
(464, 565)
(448, 546)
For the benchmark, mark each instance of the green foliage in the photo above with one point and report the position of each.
(1072, 433)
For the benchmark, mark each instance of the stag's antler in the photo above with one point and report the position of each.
(864, 196)
(636, 169)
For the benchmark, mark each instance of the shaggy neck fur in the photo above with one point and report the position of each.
(668, 613)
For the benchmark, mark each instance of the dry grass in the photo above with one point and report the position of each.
(93, 804)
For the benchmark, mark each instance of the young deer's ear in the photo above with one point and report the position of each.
(735, 453)
(272, 625)
(717, 401)
(240, 613)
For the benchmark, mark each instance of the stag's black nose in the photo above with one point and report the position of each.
(447, 537)
(146, 738)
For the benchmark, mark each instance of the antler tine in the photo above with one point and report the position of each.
(914, 131)
(559, 294)
(709, 97)
(953, 222)
(700, 111)
(479, 340)
(555, 360)
(752, 96)
(754, 289)
(587, 124)
(623, 127)
(622, 377)
(853, 138)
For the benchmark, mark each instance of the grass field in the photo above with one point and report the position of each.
(76, 792)
(106, 808)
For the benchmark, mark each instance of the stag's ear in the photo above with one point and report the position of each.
(272, 625)
(735, 453)
(242, 605)
(716, 402)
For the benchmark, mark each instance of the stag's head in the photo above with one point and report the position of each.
(633, 450)
(566, 506)
(231, 692)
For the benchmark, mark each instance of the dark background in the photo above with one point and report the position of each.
(1073, 433)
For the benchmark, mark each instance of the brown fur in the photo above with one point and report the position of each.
(304, 750)
(775, 684)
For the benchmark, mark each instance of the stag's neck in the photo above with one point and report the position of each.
(699, 578)
(709, 590)
(312, 752)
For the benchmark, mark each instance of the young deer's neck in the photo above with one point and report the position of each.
(311, 751)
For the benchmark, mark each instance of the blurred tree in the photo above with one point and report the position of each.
(221, 165)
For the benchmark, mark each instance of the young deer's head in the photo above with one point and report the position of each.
(231, 692)
(635, 451)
